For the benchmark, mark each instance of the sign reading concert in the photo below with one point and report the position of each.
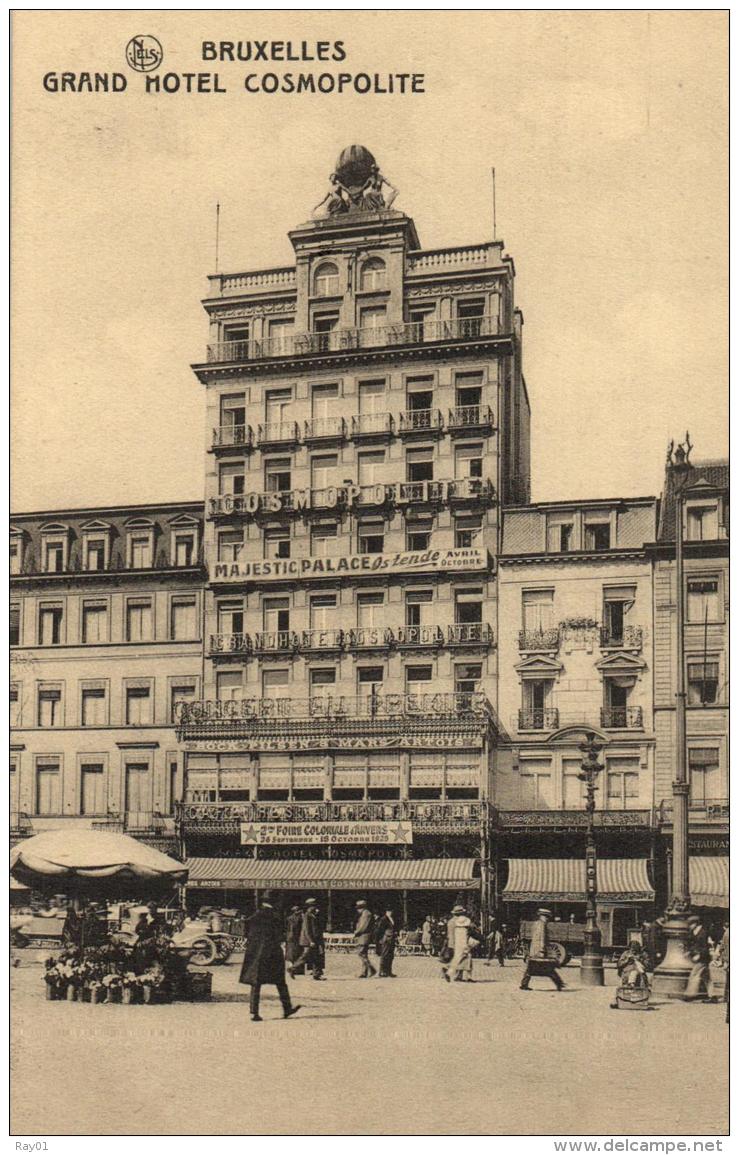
(429, 561)
(325, 833)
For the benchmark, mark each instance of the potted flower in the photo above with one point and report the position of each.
(131, 987)
(53, 980)
(112, 987)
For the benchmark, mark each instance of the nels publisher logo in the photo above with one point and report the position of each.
(144, 53)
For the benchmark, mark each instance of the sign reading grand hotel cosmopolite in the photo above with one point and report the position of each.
(278, 569)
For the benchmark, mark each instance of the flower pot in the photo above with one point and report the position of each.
(53, 993)
(129, 995)
(72, 993)
(96, 994)
(84, 995)
(114, 995)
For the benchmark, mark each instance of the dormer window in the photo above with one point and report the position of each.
(373, 275)
(95, 545)
(326, 280)
(559, 536)
(140, 544)
(184, 549)
(95, 554)
(598, 536)
(54, 557)
(16, 554)
(702, 522)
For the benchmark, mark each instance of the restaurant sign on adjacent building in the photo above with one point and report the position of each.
(421, 561)
(326, 833)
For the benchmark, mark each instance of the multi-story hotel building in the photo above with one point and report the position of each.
(105, 634)
(369, 416)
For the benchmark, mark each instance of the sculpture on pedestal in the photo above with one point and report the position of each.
(356, 185)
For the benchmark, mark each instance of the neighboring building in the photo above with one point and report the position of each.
(105, 634)
(706, 565)
(574, 654)
(369, 414)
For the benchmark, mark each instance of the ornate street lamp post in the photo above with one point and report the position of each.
(591, 966)
(671, 976)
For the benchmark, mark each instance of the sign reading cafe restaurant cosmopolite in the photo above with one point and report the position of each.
(430, 560)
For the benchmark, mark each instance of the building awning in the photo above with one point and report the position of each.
(563, 880)
(332, 874)
(709, 881)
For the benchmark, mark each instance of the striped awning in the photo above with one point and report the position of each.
(709, 881)
(563, 880)
(336, 874)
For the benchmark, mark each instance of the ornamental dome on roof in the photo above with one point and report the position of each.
(355, 165)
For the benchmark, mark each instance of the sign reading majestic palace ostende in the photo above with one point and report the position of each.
(430, 560)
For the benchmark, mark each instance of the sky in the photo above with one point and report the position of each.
(607, 131)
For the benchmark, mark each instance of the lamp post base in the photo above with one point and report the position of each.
(591, 963)
(671, 976)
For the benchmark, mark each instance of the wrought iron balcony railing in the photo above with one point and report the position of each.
(628, 638)
(277, 433)
(275, 641)
(331, 707)
(385, 637)
(340, 340)
(318, 639)
(539, 639)
(224, 817)
(372, 424)
(420, 421)
(470, 417)
(325, 429)
(470, 634)
(233, 435)
(538, 719)
(147, 821)
(622, 717)
(230, 644)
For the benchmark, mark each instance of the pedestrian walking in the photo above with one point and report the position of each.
(427, 935)
(264, 961)
(496, 946)
(725, 952)
(386, 936)
(649, 944)
(293, 926)
(462, 934)
(310, 942)
(538, 963)
(363, 937)
(700, 956)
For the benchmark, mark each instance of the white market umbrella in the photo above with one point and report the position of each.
(71, 858)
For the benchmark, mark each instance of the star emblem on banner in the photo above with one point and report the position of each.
(249, 834)
(399, 833)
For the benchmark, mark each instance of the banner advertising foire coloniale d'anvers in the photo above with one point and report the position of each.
(325, 833)
(278, 569)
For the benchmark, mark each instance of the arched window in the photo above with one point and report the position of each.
(326, 280)
(373, 274)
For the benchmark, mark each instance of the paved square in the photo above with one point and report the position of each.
(408, 1055)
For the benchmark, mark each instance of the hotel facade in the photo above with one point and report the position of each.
(388, 657)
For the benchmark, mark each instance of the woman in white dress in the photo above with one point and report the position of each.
(462, 934)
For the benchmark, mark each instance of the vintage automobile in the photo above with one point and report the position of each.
(204, 946)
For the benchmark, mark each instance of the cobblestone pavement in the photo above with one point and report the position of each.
(408, 1055)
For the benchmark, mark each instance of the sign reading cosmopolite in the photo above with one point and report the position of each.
(325, 833)
(431, 560)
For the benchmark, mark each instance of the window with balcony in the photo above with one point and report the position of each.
(324, 540)
(92, 788)
(370, 537)
(323, 471)
(702, 522)
(373, 416)
(95, 628)
(467, 678)
(467, 532)
(54, 556)
(50, 624)
(277, 543)
(276, 615)
(93, 710)
(371, 467)
(275, 683)
(231, 617)
(537, 784)
(419, 464)
(417, 679)
(559, 536)
(622, 783)
(95, 553)
(468, 396)
(616, 606)
(419, 322)
(14, 625)
(416, 603)
(179, 695)
(184, 549)
(140, 551)
(323, 326)
(419, 402)
(231, 479)
(16, 560)
(323, 611)
(237, 335)
(597, 536)
(704, 775)
(183, 619)
(537, 618)
(468, 461)
(14, 705)
(373, 275)
(468, 614)
(49, 711)
(233, 418)
(230, 544)
(535, 704)
(370, 610)
(139, 800)
(369, 681)
(469, 315)
(703, 600)
(138, 706)
(617, 712)
(703, 682)
(326, 280)
(278, 475)
(280, 331)
(48, 787)
(325, 419)
(321, 681)
(418, 534)
(229, 685)
(139, 620)
(372, 324)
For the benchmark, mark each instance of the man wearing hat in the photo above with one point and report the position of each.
(363, 937)
(310, 942)
(538, 962)
(264, 961)
(461, 935)
(293, 926)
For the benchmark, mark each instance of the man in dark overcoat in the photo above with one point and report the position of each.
(264, 961)
(386, 935)
(293, 927)
(311, 942)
